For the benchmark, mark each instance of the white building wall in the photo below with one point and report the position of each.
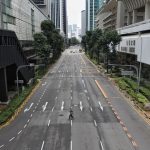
(137, 45)
(21, 10)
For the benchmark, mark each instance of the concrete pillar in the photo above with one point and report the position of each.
(0, 13)
(147, 11)
(3, 85)
(134, 18)
(128, 19)
(120, 14)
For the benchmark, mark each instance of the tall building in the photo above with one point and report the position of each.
(83, 22)
(59, 15)
(106, 17)
(92, 7)
(21, 16)
(45, 6)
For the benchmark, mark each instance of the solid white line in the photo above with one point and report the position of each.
(102, 145)
(49, 122)
(101, 107)
(19, 132)
(11, 139)
(95, 123)
(42, 145)
(1, 146)
(25, 125)
(71, 122)
(71, 145)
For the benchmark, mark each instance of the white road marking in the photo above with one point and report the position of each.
(83, 82)
(25, 125)
(19, 132)
(27, 109)
(1, 146)
(33, 110)
(91, 108)
(102, 145)
(52, 109)
(28, 121)
(71, 91)
(56, 98)
(44, 106)
(81, 107)
(62, 106)
(42, 145)
(88, 98)
(71, 97)
(71, 122)
(100, 105)
(31, 115)
(71, 145)
(11, 139)
(44, 83)
(85, 91)
(95, 123)
(49, 122)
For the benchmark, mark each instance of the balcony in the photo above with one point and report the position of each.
(135, 28)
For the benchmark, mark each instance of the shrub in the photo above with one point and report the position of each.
(145, 92)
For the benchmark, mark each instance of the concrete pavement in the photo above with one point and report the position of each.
(44, 124)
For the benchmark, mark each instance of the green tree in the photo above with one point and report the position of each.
(41, 46)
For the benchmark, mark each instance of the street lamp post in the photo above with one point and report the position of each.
(17, 79)
(20, 67)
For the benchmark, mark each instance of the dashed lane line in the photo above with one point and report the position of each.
(49, 122)
(42, 145)
(19, 132)
(11, 139)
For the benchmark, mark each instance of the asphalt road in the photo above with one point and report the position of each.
(103, 120)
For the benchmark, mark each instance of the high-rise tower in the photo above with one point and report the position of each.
(92, 7)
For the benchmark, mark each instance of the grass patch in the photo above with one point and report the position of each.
(14, 104)
(130, 87)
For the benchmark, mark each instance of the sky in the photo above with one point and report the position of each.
(74, 8)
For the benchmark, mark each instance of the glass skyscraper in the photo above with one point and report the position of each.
(92, 6)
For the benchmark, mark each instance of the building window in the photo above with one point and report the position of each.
(9, 19)
(32, 21)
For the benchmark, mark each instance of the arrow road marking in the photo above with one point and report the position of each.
(27, 109)
(101, 107)
(44, 106)
(62, 106)
(81, 107)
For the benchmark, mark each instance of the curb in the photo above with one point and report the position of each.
(19, 109)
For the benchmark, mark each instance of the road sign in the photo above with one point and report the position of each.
(126, 73)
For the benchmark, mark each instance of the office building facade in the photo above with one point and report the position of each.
(134, 29)
(45, 6)
(59, 15)
(92, 6)
(21, 16)
(83, 22)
